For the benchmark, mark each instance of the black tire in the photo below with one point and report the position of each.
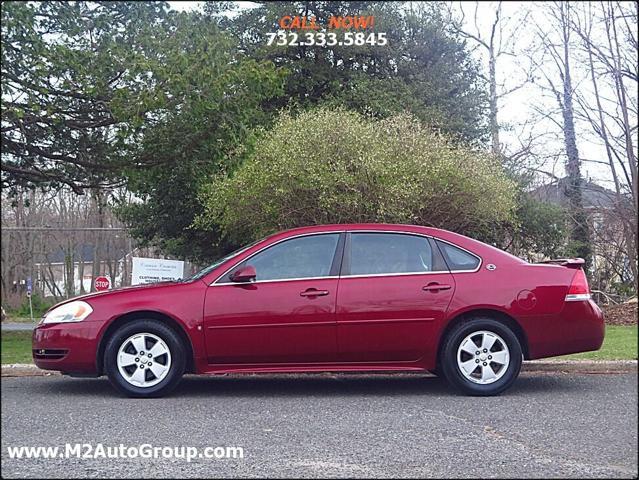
(168, 336)
(449, 362)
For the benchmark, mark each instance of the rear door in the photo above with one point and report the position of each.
(393, 289)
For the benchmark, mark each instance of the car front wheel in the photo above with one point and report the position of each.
(145, 358)
(481, 357)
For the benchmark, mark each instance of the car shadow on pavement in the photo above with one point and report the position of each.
(299, 385)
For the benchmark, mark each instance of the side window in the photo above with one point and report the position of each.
(302, 257)
(456, 258)
(379, 253)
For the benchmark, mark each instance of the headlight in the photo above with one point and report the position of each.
(69, 312)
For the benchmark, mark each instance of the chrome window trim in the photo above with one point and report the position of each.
(398, 274)
(275, 281)
(212, 284)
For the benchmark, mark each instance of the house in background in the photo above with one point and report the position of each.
(594, 197)
(605, 215)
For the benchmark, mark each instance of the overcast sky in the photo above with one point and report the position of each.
(517, 108)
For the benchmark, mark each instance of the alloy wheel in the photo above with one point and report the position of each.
(483, 357)
(144, 360)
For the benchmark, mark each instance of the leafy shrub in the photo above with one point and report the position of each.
(336, 166)
(540, 229)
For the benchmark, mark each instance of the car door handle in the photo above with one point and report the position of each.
(312, 292)
(434, 287)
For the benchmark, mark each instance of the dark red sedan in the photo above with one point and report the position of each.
(364, 297)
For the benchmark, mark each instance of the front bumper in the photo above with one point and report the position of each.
(67, 347)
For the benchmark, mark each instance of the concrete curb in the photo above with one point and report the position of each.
(17, 326)
(25, 370)
(581, 366)
(550, 366)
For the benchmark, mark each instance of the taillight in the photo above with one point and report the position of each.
(579, 289)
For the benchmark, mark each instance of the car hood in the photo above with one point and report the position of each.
(119, 290)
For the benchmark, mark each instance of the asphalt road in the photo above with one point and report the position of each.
(547, 425)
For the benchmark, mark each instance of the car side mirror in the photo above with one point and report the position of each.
(245, 274)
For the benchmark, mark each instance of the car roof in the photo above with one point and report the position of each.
(334, 227)
(382, 227)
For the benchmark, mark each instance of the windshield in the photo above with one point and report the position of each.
(220, 261)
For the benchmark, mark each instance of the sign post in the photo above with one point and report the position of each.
(29, 290)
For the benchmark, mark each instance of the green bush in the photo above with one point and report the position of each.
(40, 305)
(541, 228)
(336, 166)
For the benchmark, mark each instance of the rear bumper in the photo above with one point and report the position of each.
(67, 347)
(578, 328)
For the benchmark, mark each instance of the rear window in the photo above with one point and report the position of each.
(456, 258)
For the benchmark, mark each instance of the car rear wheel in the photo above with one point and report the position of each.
(481, 357)
(145, 358)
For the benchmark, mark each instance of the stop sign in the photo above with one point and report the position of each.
(102, 283)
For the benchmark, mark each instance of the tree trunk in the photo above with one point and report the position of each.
(81, 271)
(69, 271)
(97, 247)
(492, 113)
(579, 232)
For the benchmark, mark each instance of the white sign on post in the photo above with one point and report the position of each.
(153, 270)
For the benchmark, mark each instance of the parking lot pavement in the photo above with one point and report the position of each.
(547, 425)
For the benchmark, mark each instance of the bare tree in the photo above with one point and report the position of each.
(556, 45)
(499, 40)
(607, 33)
(56, 254)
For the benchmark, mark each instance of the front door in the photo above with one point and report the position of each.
(287, 315)
(393, 290)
